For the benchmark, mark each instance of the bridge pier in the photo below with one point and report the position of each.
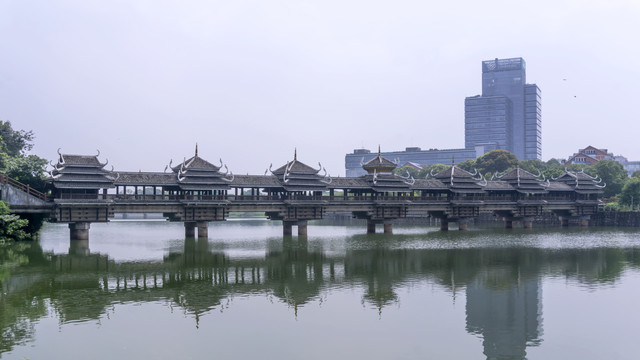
(462, 224)
(508, 223)
(527, 223)
(79, 247)
(444, 224)
(189, 229)
(302, 228)
(584, 222)
(203, 229)
(564, 222)
(79, 231)
(388, 227)
(371, 227)
(287, 228)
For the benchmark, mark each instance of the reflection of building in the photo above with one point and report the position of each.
(506, 311)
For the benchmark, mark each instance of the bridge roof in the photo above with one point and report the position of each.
(262, 181)
(79, 160)
(196, 163)
(459, 180)
(146, 178)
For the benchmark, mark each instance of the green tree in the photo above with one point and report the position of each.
(636, 174)
(613, 174)
(435, 168)
(468, 165)
(14, 142)
(631, 192)
(11, 226)
(496, 161)
(402, 171)
(14, 161)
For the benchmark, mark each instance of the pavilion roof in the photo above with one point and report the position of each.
(460, 181)
(379, 164)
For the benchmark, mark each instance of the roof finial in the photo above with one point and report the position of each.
(196, 149)
(453, 161)
(379, 152)
(295, 154)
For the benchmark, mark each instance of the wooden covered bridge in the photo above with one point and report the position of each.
(81, 191)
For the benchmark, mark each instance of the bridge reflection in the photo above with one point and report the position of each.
(502, 286)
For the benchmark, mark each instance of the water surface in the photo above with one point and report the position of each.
(140, 290)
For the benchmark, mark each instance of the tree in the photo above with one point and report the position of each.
(496, 161)
(613, 174)
(631, 192)
(468, 165)
(402, 171)
(13, 142)
(14, 162)
(427, 171)
(11, 226)
(636, 174)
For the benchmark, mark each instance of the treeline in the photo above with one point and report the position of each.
(16, 163)
(621, 191)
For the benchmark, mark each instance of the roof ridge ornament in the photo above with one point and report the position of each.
(484, 181)
(98, 150)
(295, 154)
(196, 149)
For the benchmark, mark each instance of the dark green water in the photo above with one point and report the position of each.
(139, 290)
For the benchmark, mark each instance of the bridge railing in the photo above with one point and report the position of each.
(4, 179)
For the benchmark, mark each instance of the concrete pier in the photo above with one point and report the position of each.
(302, 228)
(189, 229)
(287, 228)
(203, 229)
(79, 231)
(508, 224)
(371, 227)
(79, 247)
(388, 227)
(444, 225)
(462, 225)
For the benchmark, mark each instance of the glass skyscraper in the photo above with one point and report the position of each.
(507, 114)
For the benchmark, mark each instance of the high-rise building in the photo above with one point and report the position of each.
(507, 114)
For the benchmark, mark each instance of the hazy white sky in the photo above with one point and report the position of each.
(143, 81)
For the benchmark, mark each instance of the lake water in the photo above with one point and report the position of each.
(139, 290)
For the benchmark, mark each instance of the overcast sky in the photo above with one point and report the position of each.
(249, 81)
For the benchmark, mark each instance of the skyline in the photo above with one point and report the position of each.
(250, 82)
